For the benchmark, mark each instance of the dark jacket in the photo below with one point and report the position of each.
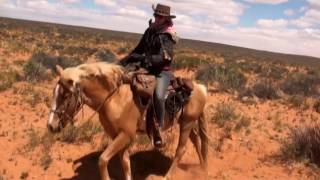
(155, 50)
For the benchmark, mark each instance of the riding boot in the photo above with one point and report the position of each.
(160, 111)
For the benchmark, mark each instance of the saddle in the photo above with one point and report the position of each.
(143, 86)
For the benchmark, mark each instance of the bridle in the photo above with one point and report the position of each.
(79, 101)
(76, 100)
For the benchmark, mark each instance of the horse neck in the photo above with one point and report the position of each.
(96, 92)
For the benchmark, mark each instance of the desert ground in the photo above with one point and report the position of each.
(262, 113)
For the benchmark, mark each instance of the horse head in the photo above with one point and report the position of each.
(67, 101)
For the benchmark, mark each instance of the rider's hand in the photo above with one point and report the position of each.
(137, 57)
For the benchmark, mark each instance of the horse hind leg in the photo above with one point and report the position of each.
(185, 129)
(118, 144)
(196, 142)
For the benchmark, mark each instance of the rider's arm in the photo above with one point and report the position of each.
(165, 54)
(136, 54)
(139, 49)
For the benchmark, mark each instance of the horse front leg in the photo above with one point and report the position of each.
(185, 129)
(118, 144)
(125, 162)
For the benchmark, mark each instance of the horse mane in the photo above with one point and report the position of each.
(109, 73)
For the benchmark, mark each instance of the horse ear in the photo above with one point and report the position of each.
(59, 70)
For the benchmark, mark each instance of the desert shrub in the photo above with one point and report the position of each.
(316, 106)
(36, 69)
(303, 144)
(35, 72)
(45, 160)
(34, 139)
(243, 122)
(264, 89)
(227, 77)
(224, 112)
(80, 50)
(83, 133)
(301, 84)
(274, 71)
(297, 101)
(250, 66)
(32, 95)
(7, 78)
(105, 55)
(24, 175)
(187, 62)
(124, 48)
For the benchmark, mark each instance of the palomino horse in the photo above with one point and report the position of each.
(103, 88)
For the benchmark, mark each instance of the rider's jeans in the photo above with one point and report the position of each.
(163, 81)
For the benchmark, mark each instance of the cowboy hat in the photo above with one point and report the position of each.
(162, 10)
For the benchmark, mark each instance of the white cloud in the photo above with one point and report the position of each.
(311, 17)
(314, 4)
(131, 11)
(269, 23)
(105, 3)
(267, 1)
(70, 1)
(289, 12)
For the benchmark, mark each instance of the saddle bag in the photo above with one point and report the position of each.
(143, 85)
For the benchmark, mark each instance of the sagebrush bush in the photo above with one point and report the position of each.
(187, 62)
(36, 69)
(264, 89)
(299, 83)
(303, 144)
(228, 77)
(316, 106)
(224, 112)
(83, 133)
(124, 48)
(274, 71)
(250, 66)
(105, 55)
(7, 78)
(297, 100)
(80, 50)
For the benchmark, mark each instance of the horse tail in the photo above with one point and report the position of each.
(203, 132)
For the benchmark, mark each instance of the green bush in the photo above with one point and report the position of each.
(124, 49)
(83, 133)
(297, 101)
(105, 55)
(187, 62)
(303, 144)
(316, 106)
(264, 89)
(228, 77)
(301, 84)
(80, 50)
(36, 69)
(7, 78)
(273, 71)
(252, 66)
(224, 112)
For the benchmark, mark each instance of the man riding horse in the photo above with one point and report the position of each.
(155, 53)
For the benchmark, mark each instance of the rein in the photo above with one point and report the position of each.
(100, 106)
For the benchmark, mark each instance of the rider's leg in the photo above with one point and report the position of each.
(163, 81)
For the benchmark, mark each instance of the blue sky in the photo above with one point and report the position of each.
(287, 26)
(269, 11)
